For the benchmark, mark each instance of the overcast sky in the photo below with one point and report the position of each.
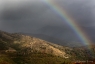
(37, 17)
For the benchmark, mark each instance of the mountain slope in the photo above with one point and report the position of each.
(21, 49)
(19, 42)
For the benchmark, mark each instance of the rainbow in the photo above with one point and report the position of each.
(70, 21)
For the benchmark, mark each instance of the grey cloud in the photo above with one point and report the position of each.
(29, 17)
(38, 17)
(80, 10)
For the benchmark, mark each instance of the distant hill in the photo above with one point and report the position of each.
(55, 40)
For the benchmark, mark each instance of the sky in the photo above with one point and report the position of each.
(37, 17)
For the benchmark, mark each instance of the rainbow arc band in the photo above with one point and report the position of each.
(70, 21)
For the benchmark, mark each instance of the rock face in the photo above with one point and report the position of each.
(19, 41)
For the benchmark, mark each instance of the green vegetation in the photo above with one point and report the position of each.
(81, 54)
(4, 59)
(33, 58)
(2, 45)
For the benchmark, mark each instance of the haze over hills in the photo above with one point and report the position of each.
(56, 40)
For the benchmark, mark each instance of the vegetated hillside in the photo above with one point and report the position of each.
(22, 49)
(82, 53)
(18, 41)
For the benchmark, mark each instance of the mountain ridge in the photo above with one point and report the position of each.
(55, 40)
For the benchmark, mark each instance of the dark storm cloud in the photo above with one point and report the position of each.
(81, 10)
(28, 16)
(35, 16)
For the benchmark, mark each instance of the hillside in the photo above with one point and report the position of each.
(18, 41)
(20, 49)
(17, 48)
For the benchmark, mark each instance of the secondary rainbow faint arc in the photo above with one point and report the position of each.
(70, 21)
